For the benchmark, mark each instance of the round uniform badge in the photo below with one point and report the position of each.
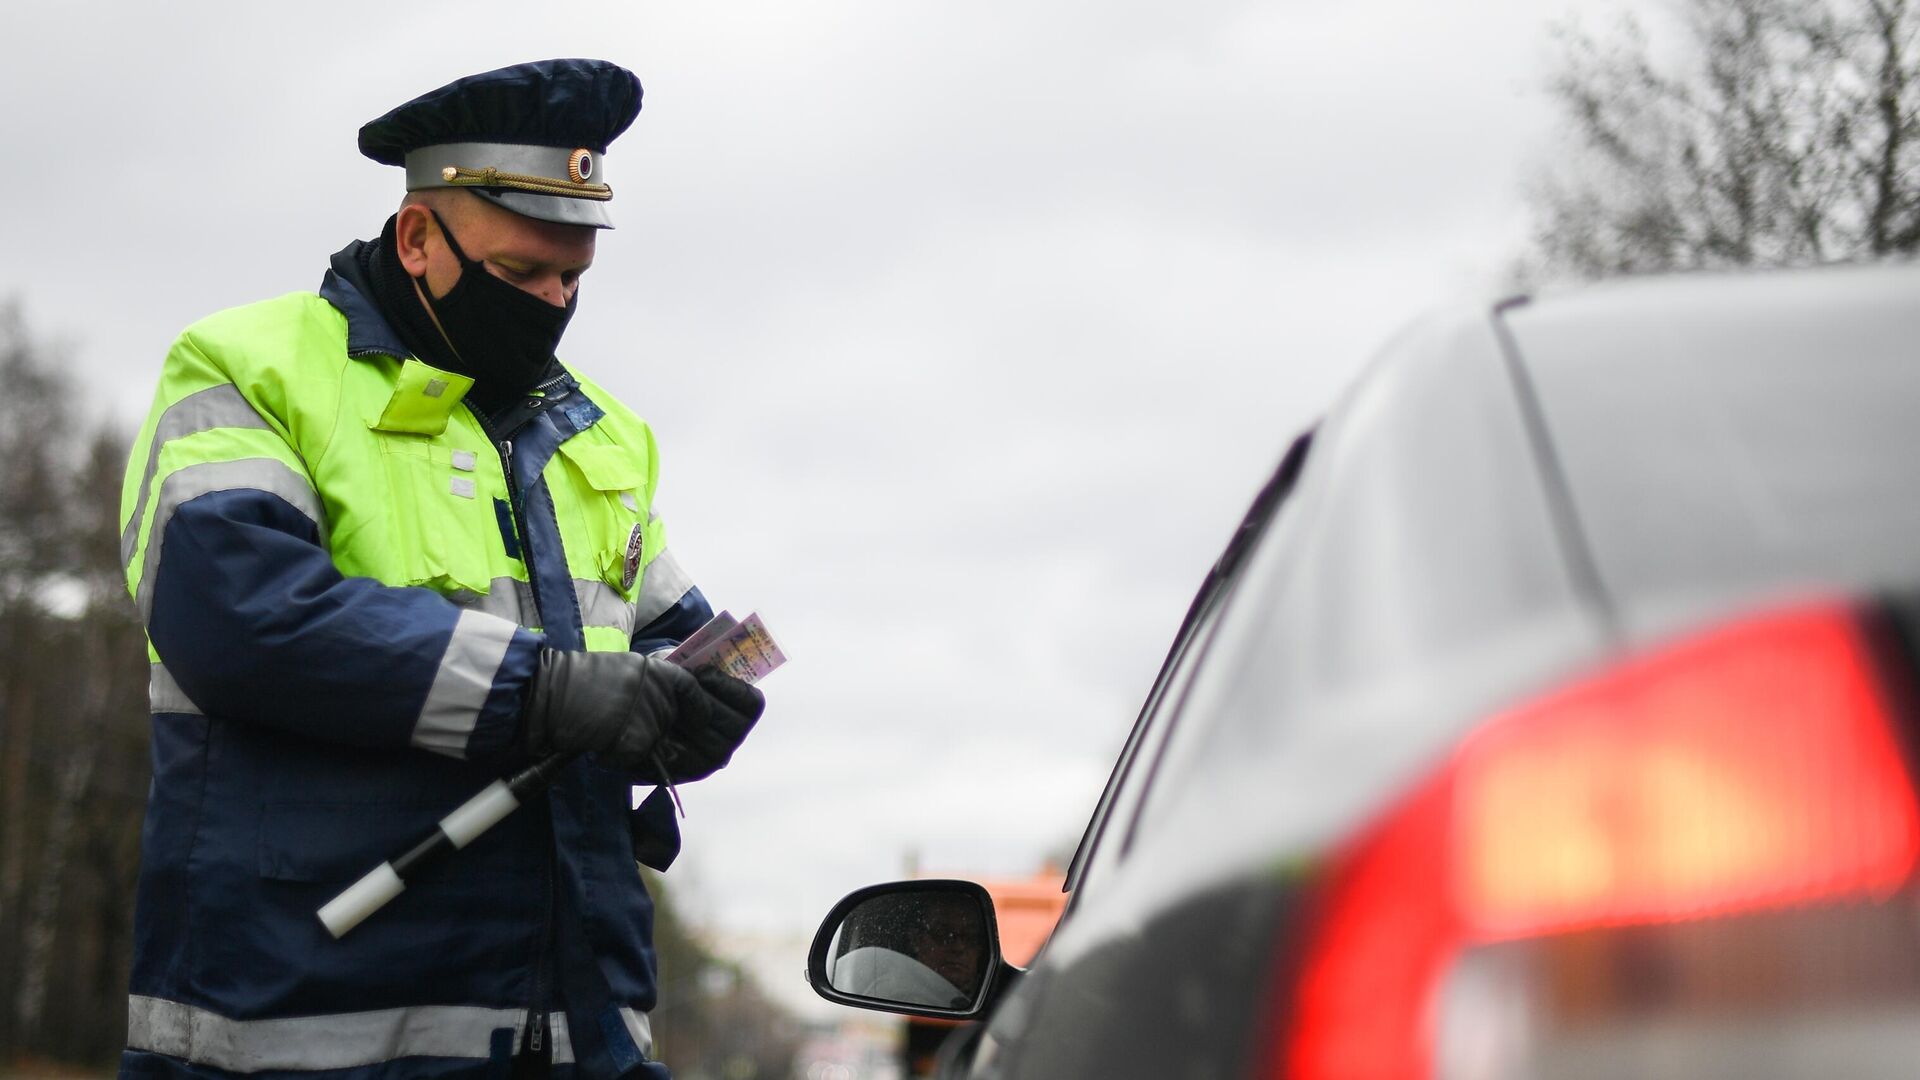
(636, 542)
(580, 166)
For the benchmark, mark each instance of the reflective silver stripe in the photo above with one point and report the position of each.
(662, 586)
(509, 598)
(165, 695)
(334, 1041)
(640, 1027)
(602, 605)
(215, 407)
(460, 688)
(270, 475)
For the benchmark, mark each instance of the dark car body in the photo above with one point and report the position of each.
(1658, 497)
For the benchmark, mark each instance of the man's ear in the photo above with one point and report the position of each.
(410, 231)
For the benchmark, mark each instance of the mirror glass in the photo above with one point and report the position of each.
(926, 948)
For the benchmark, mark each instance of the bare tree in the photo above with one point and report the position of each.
(34, 422)
(1759, 133)
(73, 757)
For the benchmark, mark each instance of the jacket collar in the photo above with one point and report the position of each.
(346, 287)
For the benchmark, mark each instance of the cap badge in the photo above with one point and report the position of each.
(636, 542)
(580, 166)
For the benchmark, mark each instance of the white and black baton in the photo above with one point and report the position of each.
(450, 834)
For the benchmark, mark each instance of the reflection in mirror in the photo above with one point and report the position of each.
(924, 948)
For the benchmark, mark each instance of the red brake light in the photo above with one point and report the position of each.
(1749, 768)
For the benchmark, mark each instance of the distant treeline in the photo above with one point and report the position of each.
(73, 728)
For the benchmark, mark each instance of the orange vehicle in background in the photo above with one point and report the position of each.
(1026, 910)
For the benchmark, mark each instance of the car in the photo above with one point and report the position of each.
(1550, 714)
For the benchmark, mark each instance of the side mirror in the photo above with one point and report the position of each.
(924, 948)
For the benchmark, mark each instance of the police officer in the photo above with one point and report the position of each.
(388, 548)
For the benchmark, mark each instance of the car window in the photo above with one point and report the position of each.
(1728, 437)
(1149, 731)
(1418, 545)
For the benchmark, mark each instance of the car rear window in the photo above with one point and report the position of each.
(1727, 438)
(1413, 579)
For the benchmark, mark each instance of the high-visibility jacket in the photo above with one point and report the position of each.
(346, 579)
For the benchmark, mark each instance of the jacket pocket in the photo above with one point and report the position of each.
(337, 843)
(445, 528)
(611, 503)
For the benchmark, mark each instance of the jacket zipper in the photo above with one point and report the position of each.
(504, 447)
(538, 1044)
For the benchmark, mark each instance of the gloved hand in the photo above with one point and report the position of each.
(702, 740)
(620, 704)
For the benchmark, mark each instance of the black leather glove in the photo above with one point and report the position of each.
(621, 704)
(616, 704)
(703, 739)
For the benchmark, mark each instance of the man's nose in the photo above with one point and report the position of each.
(552, 290)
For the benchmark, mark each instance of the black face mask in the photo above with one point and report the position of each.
(501, 333)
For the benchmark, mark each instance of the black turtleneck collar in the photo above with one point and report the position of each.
(392, 291)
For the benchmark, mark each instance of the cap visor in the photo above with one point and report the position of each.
(590, 212)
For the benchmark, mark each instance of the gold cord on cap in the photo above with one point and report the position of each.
(460, 176)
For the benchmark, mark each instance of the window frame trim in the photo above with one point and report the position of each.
(1189, 649)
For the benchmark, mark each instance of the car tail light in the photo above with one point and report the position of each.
(1748, 780)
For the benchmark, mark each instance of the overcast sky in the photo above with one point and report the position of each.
(967, 329)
